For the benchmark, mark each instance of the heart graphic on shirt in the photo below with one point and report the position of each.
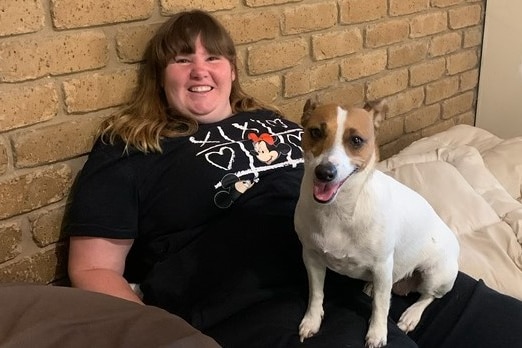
(222, 159)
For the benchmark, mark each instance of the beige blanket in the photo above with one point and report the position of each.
(473, 180)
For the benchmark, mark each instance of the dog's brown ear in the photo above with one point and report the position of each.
(378, 108)
(308, 108)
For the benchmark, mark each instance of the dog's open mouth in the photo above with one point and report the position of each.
(324, 192)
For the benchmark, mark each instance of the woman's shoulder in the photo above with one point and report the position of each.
(111, 154)
(103, 149)
(115, 148)
(115, 159)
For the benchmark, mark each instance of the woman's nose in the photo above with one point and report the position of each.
(198, 70)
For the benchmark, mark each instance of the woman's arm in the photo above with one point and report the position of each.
(97, 264)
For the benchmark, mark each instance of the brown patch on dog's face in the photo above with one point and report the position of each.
(319, 129)
(359, 136)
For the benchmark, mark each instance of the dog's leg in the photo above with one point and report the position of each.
(382, 285)
(316, 271)
(411, 316)
(434, 283)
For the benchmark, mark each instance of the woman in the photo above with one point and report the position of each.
(190, 191)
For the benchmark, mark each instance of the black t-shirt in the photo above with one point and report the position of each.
(212, 215)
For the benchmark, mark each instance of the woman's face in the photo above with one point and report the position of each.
(198, 85)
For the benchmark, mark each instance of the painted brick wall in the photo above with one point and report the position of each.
(67, 64)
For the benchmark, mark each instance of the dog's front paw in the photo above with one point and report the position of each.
(409, 319)
(310, 325)
(376, 337)
(376, 342)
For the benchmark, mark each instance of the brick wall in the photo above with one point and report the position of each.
(66, 64)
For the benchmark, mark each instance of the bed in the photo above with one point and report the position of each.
(473, 179)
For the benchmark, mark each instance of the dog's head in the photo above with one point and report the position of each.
(339, 143)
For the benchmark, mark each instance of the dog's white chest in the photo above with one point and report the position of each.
(342, 253)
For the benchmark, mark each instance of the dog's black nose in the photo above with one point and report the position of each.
(325, 172)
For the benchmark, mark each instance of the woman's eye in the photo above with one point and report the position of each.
(212, 58)
(180, 60)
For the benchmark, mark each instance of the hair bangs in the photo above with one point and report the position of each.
(217, 42)
(179, 37)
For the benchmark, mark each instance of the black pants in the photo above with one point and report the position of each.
(471, 315)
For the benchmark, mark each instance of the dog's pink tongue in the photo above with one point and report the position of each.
(324, 192)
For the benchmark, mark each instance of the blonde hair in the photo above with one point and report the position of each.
(147, 117)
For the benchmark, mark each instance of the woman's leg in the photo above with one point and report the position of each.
(470, 315)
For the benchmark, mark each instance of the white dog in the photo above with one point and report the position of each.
(362, 223)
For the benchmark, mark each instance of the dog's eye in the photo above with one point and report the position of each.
(315, 133)
(356, 141)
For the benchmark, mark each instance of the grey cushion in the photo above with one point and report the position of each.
(51, 316)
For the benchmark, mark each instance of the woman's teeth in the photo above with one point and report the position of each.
(200, 89)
